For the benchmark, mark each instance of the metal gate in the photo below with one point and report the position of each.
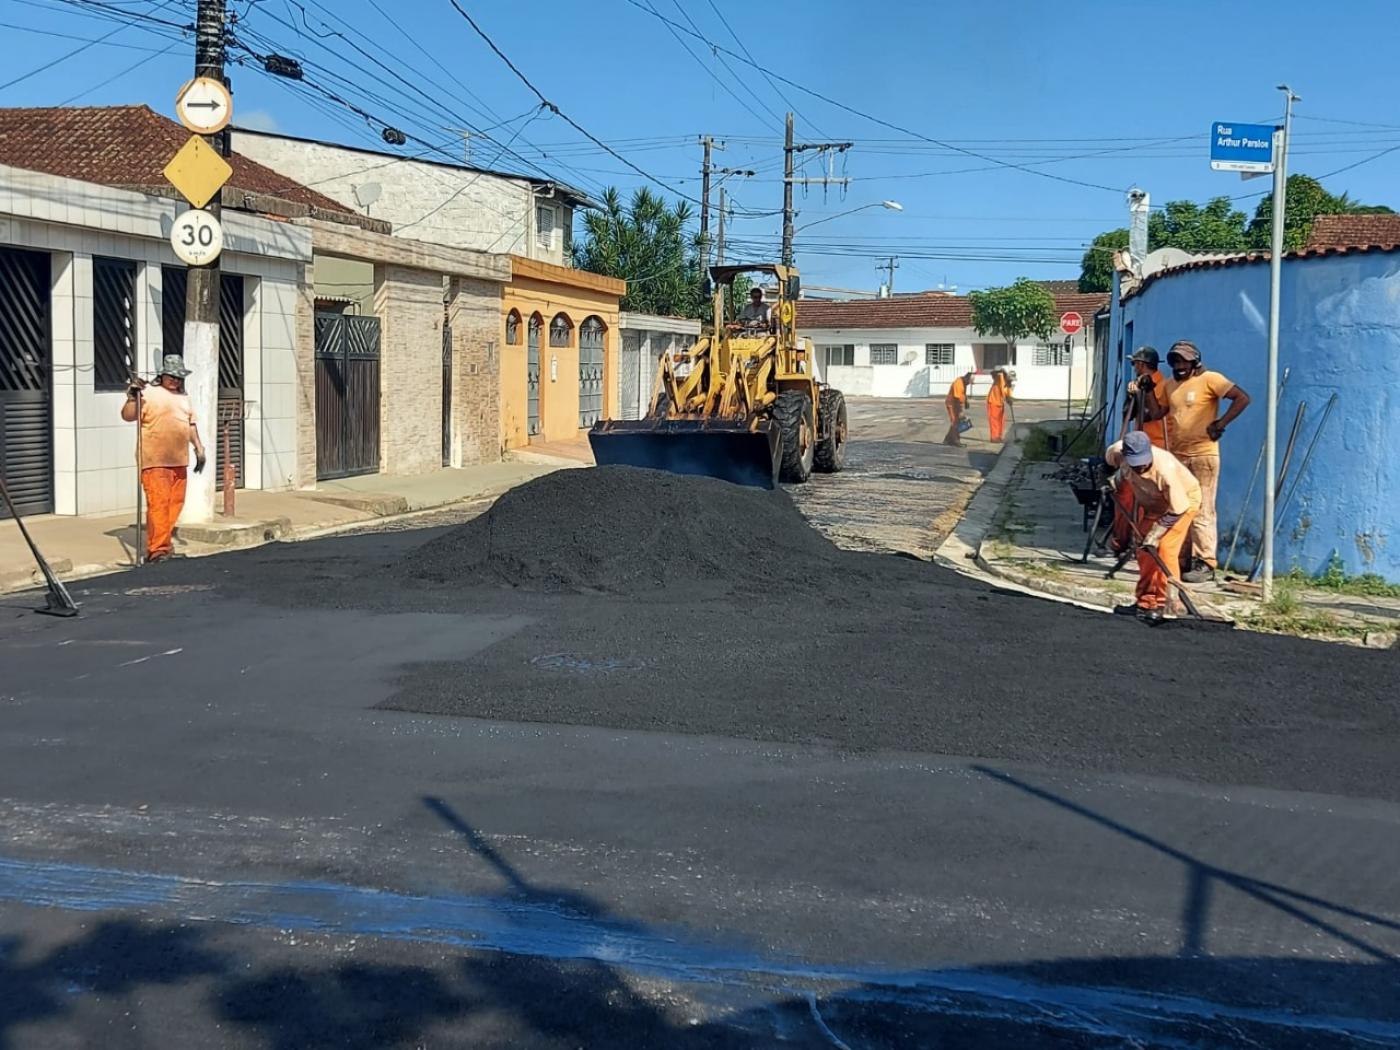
(173, 284)
(590, 372)
(446, 394)
(532, 375)
(347, 395)
(26, 378)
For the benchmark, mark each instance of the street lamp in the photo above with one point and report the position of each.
(889, 205)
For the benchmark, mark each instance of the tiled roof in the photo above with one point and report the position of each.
(1066, 287)
(920, 311)
(1355, 231)
(1216, 262)
(127, 146)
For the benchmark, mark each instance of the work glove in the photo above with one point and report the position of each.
(1215, 430)
(199, 463)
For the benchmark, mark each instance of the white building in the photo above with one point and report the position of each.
(916, 345)
(453, 205)
(645, 337)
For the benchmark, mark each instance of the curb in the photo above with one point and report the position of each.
(28, 579)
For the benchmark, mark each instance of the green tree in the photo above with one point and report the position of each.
(1215, 227)
(1096, 268)
(1306, 201)
(646, 244)
(1022, 309)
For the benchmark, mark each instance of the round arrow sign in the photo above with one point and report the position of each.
(204, 106)
(197, 237)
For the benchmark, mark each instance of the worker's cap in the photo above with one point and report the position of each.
(1147, 355)
(173, 365)
(1185, 349)
(1137, 449)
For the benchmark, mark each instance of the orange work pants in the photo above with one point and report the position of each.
(996, 419)
(1152, 582)
(1126, 515)
(955, 411)
(165, 498)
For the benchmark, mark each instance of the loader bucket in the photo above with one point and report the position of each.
(737, 452)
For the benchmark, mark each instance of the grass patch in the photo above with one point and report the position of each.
(1038, 447)
(1335, 579)
(1287, 613)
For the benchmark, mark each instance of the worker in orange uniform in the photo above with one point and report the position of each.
(1189, 402)
(168, 431)
(997, 397)
(1146, 377)
(1170, 498)
(956, 404)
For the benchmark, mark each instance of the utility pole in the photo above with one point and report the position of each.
(891, 266)
(202, 287)
(709, 144)
(1280, 208)
(790, 150)
(719, 244)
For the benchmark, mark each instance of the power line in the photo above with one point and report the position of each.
(112, 78)
(710, 72)
(561, 114)
(758, 66)
(71, 54)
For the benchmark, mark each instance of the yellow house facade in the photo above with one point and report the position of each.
(560, 337)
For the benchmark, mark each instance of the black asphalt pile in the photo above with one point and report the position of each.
(626, 530)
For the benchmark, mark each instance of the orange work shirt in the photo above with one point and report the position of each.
(958, 391)
(1156, 429)
(1000, 391)
(1166, 487)
(1192, 405)
(167, 422)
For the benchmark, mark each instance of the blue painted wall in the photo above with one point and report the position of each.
(1339, 332)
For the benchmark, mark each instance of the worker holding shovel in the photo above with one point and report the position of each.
(1169, 498)
(168, 431)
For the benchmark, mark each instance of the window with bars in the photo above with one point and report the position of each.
(884, 353)
(839, 356)
(1052, 354)
(113, 322)
(938, 353)
(560, 331)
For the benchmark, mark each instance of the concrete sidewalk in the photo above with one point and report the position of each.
(1027, 529)
(77, 547)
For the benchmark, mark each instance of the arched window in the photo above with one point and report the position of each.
(513, 328)
(561, 331)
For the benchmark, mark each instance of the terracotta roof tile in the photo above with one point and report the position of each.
(126, 146)
(1355, 231)
(920, 311)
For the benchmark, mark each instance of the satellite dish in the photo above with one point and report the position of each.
(366, 193)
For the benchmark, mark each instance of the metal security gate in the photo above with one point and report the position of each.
(630, 364)
(532, 375)
(173, 284)
(446, 394)
(590, 372)
(26, 378)
(347, 395)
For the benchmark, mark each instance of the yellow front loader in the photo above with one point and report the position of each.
(743, 404)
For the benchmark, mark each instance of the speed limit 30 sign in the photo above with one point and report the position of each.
(197, 237)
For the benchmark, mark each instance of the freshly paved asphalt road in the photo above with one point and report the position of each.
(891, 810)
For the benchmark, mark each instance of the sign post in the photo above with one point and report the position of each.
(1070, 323)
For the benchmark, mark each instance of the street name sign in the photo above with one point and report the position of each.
(198, 171)
(1241, 147)
(197, 237)
(1071, 322)
(204, 106)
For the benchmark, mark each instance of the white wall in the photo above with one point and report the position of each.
(436, 203)
(94, 451)
(911, 377)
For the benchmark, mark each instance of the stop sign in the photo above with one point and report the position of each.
(1070, 322)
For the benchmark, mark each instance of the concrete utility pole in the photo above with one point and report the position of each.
(719, 244)
(790, 150)
(891, 266)
(1280, 206)
(709, 144)
(202, 288)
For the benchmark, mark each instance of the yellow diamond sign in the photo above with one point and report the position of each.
(198, 171)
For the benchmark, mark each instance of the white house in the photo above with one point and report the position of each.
(916, 345)
(453, 205)
(645, 337)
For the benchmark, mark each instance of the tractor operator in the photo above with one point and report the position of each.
(756, 313)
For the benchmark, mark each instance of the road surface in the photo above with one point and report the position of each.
(292, 798)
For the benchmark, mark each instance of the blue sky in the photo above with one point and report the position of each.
(1017, 83)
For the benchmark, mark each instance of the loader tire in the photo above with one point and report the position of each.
(798, 433)
(831, 449)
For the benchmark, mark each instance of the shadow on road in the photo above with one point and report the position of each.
(590, 989)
